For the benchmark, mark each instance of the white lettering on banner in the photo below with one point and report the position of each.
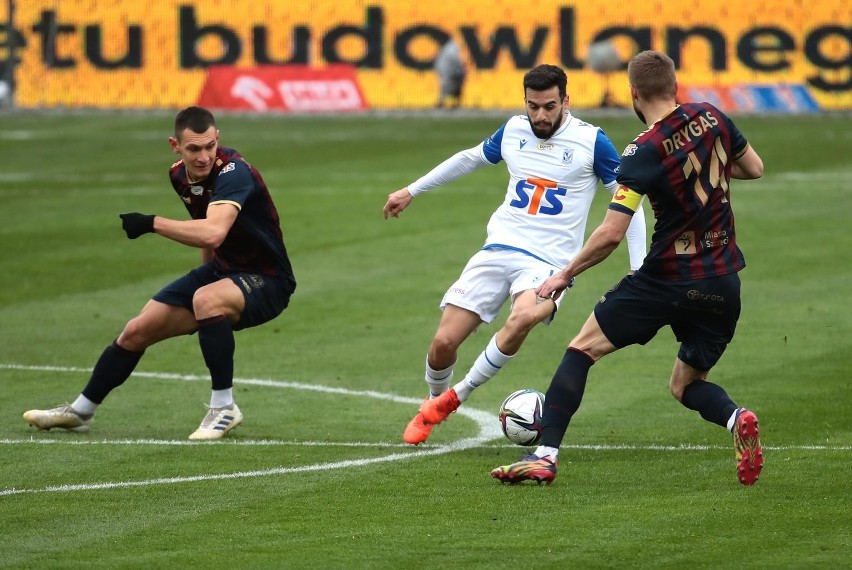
(253, 91)
(319, 95)
(282, 88)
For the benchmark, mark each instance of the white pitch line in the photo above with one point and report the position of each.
(252, 381)
(488, 431)
(486, 423)
(457, 446)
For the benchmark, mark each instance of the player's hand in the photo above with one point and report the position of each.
(135, 224)
(554, 286)
(397, 202)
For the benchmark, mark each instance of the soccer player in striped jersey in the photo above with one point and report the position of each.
(556, 163)
(245, 278)
(683, 163)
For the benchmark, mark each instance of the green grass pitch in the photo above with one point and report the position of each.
(318, 475)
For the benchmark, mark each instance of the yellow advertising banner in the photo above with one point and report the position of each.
(155, 54)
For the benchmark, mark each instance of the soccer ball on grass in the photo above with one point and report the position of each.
(520, 416)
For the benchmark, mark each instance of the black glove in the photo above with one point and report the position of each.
(135, 224)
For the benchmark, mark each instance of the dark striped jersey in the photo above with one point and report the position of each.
(682, 163)
(254, 243)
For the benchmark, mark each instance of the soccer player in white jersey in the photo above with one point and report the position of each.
(555, 163)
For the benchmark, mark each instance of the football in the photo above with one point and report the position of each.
(520, 416)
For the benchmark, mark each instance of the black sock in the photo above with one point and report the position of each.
(216, 337)
(113, 367)
(564, 395)
(709, 400)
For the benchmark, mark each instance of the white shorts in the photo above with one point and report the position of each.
(494, 275)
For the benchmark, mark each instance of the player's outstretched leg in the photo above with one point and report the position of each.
(530, 468)
(217, 422)
(747, 444)
(64, 417)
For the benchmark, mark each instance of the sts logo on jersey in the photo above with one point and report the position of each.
(539, 196)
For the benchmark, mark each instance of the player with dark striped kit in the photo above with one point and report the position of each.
(683, 163)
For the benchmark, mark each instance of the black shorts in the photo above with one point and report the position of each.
(265, 296)
(702, 313)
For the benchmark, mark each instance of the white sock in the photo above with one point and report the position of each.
(487, 364)
(732, 421)
(221, 398)
(438, 380)
(544, 451)
(84, 406)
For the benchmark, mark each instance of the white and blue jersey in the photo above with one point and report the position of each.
(552, 183)
(551, 186)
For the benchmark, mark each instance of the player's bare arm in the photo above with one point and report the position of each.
(747, 167)
(553, 286)
(598, 247)
(397, 202)
(207, 233)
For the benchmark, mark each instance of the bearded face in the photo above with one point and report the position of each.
(545, 110)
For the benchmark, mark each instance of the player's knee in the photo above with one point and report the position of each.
(595, 348)
(443, 348)
(676, 387)
(676, 392)
(134, 337)
(522, 320)
(205, 304)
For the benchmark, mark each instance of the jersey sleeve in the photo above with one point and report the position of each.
(636, 175)
(607, 162)
(462, 163)
(739, 144)
(639, 165)
(491, 147)
(233, 184)
(626, 201)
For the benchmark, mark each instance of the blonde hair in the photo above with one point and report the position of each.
(652, 73)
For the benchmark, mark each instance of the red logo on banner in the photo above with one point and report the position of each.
(295, 88)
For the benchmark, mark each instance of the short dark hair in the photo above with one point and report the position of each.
(546, 76)
(196, 119)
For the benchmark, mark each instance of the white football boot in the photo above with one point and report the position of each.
(217, 422)
(64, 417)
